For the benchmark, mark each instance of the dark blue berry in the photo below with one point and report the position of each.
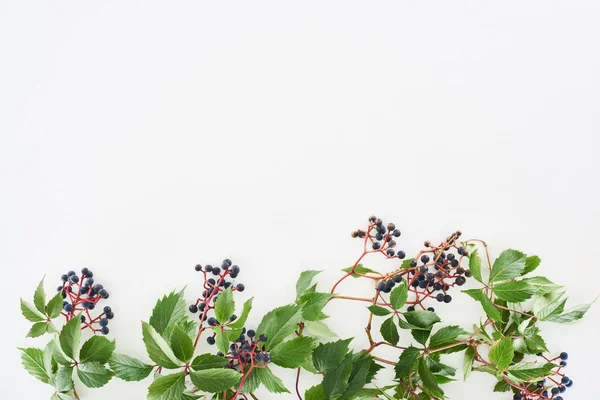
(68, 307)
(208, 268)
(105, 330)
(103, 322)
(262, 337)
(564, 356)
(251, 333)
(376, 246)
(410, 308)
(193, 308)
(198, 267)
(64, 278)
(447, 298)
(424, 258)
(210, 340)
(240, 287)
(398, 278)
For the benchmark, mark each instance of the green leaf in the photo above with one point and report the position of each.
(468, 361)
(502, 353)
(528, 372)
(406, 263)
(422, 319)
(571, 315)
(514, 291)
(224, 306)
(542, 285)
(33, 361)
(181, 344)
(502, 386)
(55, 306)
(208, 361)
(312, 305)
(97, 348)
(63, 396)
(389, 331)
(335, 382)
(128, 368)
(359, 271)
(241, 320)
(30, 312)
(319, 329)
(57, 354)
(170, 310)
(93, 374)
(70, 337)
(510, 264)
(379, 311)
(279, 324)
(535, 344)
(271, 382)
(489, 308)
(39, 298)
(549, 305)
(430, 385)
(531, 263)
(407, 361)
(63, 379)
(168, 387)
(398, 296)
(327, 356)
(38, 329)
(475, 265)
(314, 393)
(359, 376)
(158, 349)
(305, 281)
(215, 380)
(421, 335)
(293, 353)
(221, 339)
(445, 336)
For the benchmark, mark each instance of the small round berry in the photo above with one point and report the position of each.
(83, 319)
(103, 322)
(208, 268)
(68, 307)
(569, 384)
(413, 263)
(398, 278)
(64, 278)
(447, 298)
(563, 363)
(401, 254)
(565, 379)
(396, 233)
(262, 337)
(210, 340)
(555, 390)
(460, 280)
(193, 308)
(410, 308)
(423, 284)
(251, 333)
(240, 287)
(440, 297)
(103, 293)
(415, 283)
(431, 309)
(198, 267)
(390, 252)
(372, 219)
(233, 318)
(110, 315)
(235, 270)
(105, 330)
(74, 278)
(226, 263)
(376, 246)
(461, 250)
(212, 321)
(216, 271)
(564, 356)
(424, 258)
(71, 273)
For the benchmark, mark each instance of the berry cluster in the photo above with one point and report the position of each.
(246, 350)
(213, 286)
(381, 237)
(81, 294)
(550, 387)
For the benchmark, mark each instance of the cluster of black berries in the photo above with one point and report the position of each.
(549, 388)
(247, 349)
(213, 286)
(382, 237)
(82, 294)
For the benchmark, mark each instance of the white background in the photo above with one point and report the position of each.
(140, 138)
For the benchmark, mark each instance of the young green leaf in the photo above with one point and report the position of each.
(529, 372)
(430, 385)
(63, 379)
(359, 271)
(314, 393)
(158, 349)
(502, 353)
(468, 361)
(215, 380)
(407, 361)
(208, 361)
(489, 308)
(97, 348)
(574, 314)
(509, 264)
(55, 306)
(312, 305)
(38, 329)
(221, 339)
(31, 313)
(398, 296)
(293, 353)
(379, 311)
(224, 306)
(445, 336)
(475, 265)
(549, 305)
(327, 356)
(422, 319)
(241, 320)
(33, 361)
(531, 263)
(279, 324)
(168, 311)
(128, 368)
(167, 387)
(389, 331)
(39, 298)
(271, 382)
(514, 291)
(93, 374)
(70, 337)
(319, 329)
(305, 281)
(181, 344)
(335, 382)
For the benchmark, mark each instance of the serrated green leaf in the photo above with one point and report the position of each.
(314, 393)
(378, 310)
(445, 336)
(215, 380)
(38, 329)
(510, 264)
(63, 379)
(549, 305)
(128, 368)
(399, 296)
(574, 314)
(158, 349)
(319, 329)
(489, 308)
(359, 377)
(270, 381)
(181, 344)
(30, 312)
(430, 385)
(93, 374)
(528, 372)
(293, 353)
(39, 298)
(531, 263)
(514, 291)
(170, 310)
(421, 335)
(407, 361)
(70, 337)
(312, 305)
(241, 320)
(33, 361)
(502, 353)
(502, 386)
(335, 382)
(208, 361)
(55, 306)
(221, 340)
(305, 281)
(63, 396)
(422, 319)
(279, 324)
(168, 387)
(468, 361)
(389, 331)
(475, 265)
(224, 306)
(97, 348)
(359, 271)
(542, 285)
(327, 356)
